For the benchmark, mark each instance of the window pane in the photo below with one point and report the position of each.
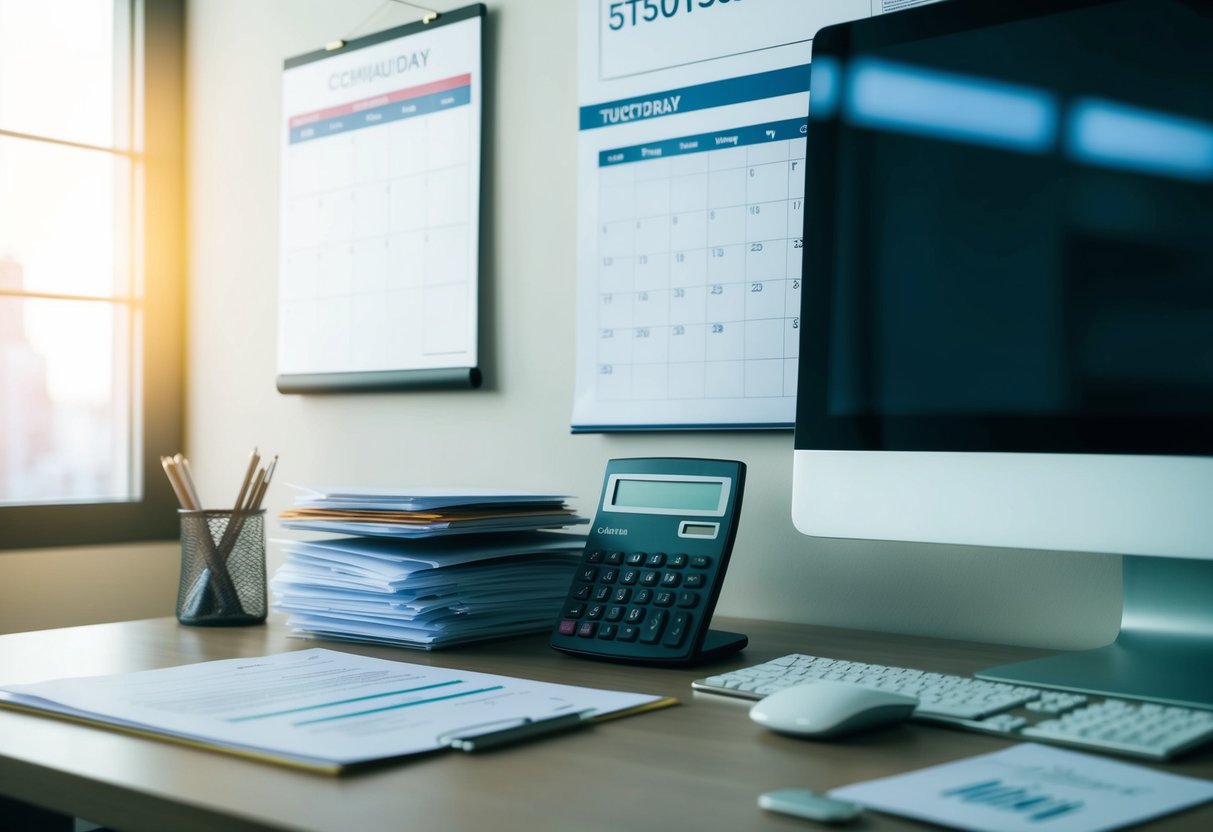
(61, 211)
(64, 401)
(57, 69)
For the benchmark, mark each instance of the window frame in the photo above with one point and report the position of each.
(158, 214)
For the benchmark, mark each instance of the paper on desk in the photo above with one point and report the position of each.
(317, 708)
(1031, 787)
(417, 499)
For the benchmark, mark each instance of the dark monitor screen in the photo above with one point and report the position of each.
(1009, 230)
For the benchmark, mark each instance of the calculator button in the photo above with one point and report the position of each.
(622, 595)
(588, 574)
(607, 631)
(671, 578)
(574, 610)
(595, 612)
(701, 561)
(663, 598)
(635, 559)
(694, 581)
(688, 600)
(583, 592)
(614, 558)
(602, 593)
(629, 576)
(650, 577)
(628, 632)
(594, 556)
(650, 631)
(615, 613)
(679, 624)
(635, 615)
(587, 629)
(656, 559)
(677, 561)
(568, 627)
(609, 575)
(642, 596)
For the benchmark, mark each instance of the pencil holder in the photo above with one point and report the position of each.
(222, 568)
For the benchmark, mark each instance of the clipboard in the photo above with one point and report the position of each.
(297, 721)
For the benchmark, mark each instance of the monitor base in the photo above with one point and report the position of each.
(1163, 653)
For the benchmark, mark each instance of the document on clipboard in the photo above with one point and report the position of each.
(322, 709)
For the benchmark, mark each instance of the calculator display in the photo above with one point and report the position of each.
(674, 495)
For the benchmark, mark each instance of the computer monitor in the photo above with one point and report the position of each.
(1007, 324)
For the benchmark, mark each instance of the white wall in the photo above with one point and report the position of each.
(515, 432)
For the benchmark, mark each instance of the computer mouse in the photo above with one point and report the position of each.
(827, 708)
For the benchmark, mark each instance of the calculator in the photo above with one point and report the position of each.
(654, 562)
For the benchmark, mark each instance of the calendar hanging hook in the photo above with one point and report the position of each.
(428, 16)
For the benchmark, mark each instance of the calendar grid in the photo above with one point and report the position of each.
(699, 266)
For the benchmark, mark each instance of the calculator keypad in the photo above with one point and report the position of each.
(650, 598)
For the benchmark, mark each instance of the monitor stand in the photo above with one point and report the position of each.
(1164, 651)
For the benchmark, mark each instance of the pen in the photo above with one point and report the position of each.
(528, 729)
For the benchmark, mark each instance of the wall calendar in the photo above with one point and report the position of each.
(380, 217)
(691, 156)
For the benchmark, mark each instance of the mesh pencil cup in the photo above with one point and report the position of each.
(222, 568)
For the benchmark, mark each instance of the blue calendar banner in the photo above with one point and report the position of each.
(794, 79)
(772, 131)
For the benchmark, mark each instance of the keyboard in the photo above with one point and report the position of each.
(1093, 723)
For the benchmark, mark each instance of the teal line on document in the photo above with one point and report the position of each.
(397, 707)
(342, 702)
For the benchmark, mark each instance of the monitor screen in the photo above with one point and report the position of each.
(1007, 311)
(1009, 230)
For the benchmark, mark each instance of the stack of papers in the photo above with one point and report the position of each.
(427, 593)
(426, 512)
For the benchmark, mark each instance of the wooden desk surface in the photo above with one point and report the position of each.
(699, 766)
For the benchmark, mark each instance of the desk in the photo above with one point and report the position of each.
(698, 766)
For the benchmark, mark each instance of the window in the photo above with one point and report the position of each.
(90, 268)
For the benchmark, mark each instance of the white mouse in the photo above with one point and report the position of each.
(827, 708)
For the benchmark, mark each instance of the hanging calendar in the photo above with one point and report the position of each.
(691, 150)
(380, 218)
